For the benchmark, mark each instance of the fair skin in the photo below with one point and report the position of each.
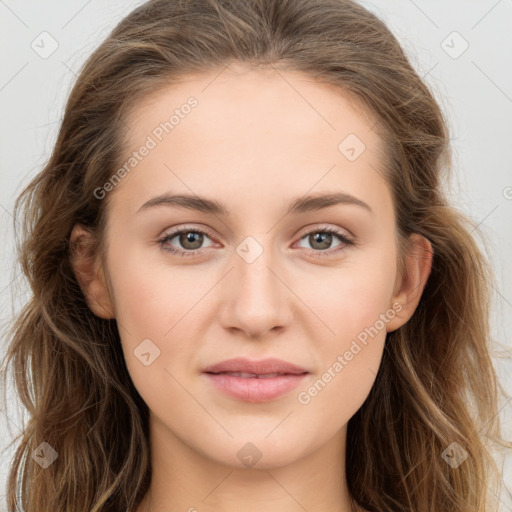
(254, 144)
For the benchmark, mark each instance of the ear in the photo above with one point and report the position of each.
(89, 273)
(410, 284)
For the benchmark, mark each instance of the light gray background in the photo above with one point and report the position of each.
(473, 88)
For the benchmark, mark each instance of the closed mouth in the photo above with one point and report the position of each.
(255, 375)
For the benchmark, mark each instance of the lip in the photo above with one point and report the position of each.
(259, 367)
(255, 389)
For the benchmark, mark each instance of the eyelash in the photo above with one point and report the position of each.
(316, 253)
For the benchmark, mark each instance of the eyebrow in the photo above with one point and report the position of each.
(299, 205)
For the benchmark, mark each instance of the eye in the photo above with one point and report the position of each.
(321, 239)
(190, 239)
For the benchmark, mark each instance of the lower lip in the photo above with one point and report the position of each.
(252, 389)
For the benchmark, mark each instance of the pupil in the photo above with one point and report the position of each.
(324, 239)
(193, 238)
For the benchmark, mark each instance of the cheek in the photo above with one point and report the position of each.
(333, 397)
(150, 298)
(157, 308)
(145, 311)
(349, 365)
(350, 298)
(356, 307)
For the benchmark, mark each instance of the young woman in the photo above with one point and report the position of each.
(249, 290)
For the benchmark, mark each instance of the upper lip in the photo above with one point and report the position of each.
(261, 367)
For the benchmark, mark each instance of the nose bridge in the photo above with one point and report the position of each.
(257, 300)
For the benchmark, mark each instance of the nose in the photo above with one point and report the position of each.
(257, 300)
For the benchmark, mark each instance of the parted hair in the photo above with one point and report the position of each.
(436, 384)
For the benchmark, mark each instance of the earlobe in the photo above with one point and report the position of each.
(410, 285)
(89, 273)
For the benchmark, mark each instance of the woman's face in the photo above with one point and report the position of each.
(254, 274)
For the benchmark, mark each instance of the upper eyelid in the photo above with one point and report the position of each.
(177, 231)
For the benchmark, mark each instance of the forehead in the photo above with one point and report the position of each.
(256, 131)
(263, 98)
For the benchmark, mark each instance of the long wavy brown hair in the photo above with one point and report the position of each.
(436, 384)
